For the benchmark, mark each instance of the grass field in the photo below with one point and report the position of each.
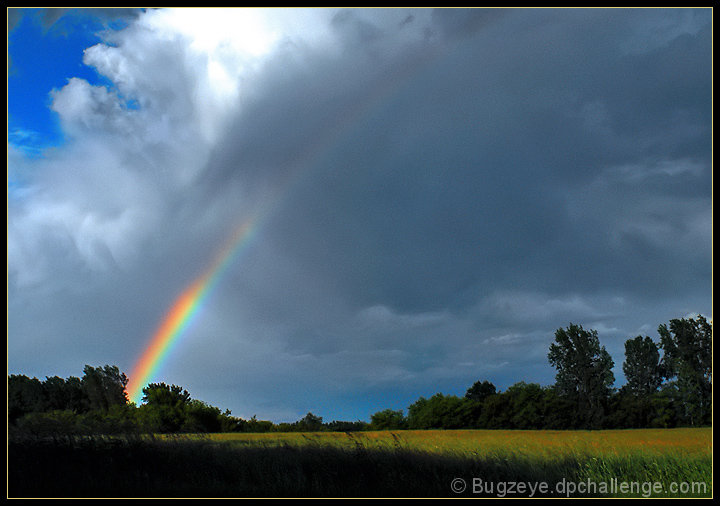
(462, 463)
(545, 443)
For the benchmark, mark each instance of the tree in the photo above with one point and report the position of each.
(388, 419)
(25, 396)
(557, 410)
(496, 412)
(526, 405)
(479, 391)
(475, 397)
(255, 425)
(584, 372)
(643, 372)
(165, 407)
(65, 394)
(343, 426)
(201, 417)
(667, 408)
(229, 423)
(438, 412)
(642, 366)
(160, 394)
(104, 387)
(310, 423)
(687, 356)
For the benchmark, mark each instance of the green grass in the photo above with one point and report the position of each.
(367, 464)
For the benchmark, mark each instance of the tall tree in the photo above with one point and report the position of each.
(687, 359)
(642, 366)
(584, 372)
(634, 404)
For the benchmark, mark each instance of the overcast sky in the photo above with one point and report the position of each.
(435, 192)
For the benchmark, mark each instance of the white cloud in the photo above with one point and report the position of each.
(108, 189)
(82, 107)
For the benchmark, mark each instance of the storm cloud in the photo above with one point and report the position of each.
(437, 192)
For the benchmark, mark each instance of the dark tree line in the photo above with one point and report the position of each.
(98, 390)
(669, 384)
(97, 403)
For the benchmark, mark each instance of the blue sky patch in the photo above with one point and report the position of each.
(43, 58)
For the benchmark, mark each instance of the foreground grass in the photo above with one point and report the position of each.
(372, 464)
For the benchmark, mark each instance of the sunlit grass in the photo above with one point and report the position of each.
(361, 464)
(636, 456)
(648, 442)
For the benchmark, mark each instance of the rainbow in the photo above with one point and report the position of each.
(186, 306)
(183, 310)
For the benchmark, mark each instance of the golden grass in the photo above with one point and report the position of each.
(683, 442)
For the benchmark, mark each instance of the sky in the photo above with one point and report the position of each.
(381, 204)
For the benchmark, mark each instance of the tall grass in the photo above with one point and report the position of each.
(383, 464)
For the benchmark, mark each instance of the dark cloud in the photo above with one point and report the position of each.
(469, 166)
(439, 191)
(461, 22)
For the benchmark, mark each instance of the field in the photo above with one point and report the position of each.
(462, 463)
